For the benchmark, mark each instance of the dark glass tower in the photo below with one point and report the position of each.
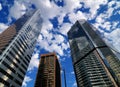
(17, 43)
(94, 62)
(48, 71)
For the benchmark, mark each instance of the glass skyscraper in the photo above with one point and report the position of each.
(17, 44)
(95, 64)
(48, 71)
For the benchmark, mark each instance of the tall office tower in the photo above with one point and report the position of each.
(17, 43)
(48, 71)
(95, 64)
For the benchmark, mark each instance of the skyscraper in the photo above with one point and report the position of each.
(48, 71)
(17, 43)
(95, 64)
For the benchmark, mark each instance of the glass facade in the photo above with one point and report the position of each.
(20, 39)
(48, 72)
(90, 72)
(112, 62)
(91, 57)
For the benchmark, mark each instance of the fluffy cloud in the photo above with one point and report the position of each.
(113, 38)
(51, 48)
(102, 20)
(3, 27)
(96, 4)
(17, 10)
(48, 9)
(107, 25)
(65, 28)
(34, 62)
(65, 46)
(61, 18)
(71, 5)
(26, 80)
(76, 16)
(110, 12)
(47, 27)
(114, 24)
(59, 39)
(110, 4)
(117, 5)
(0, 6)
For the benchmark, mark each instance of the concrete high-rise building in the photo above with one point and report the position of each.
(48, 71)
(95, 64)
(17, 44)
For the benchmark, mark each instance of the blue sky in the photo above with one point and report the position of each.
(59, 16)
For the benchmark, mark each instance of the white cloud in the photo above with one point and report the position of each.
(34, 62)
(45, 31)
(96, 4)
(113, 38)
(60, 18)
(3, 27)
(71, 5)
(40, 37)
(102, 18)
(110, 12)
(48, 9)
(17, 10)
(65, 28)
(73, 17)
(114, 24)
(59, 38)
(0, 7)
(47, 42)
(117, 5)
(47, 25)
(111, 3)
(54, 47)
(26, 80)
(65, 46)
(107, 25)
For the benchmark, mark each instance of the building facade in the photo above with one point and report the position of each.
(95, 64)
(17, 44)
(48, 71)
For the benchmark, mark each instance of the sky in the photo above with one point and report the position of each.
(58, 17)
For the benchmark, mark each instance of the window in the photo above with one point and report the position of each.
(4, 63)
(4, 82)
(5, 73)
(18, 82)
